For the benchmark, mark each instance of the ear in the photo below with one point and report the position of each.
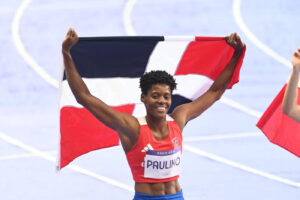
(143, 98)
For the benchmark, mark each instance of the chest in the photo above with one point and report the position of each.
(167, 140)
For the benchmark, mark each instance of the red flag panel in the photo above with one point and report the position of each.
(91, 135)
(208, 57)
(279, 128)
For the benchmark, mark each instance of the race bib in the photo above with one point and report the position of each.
(162, 164)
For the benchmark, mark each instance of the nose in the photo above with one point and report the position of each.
(161, 100)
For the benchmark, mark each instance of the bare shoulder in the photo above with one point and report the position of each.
(128, 131)
(180, 115)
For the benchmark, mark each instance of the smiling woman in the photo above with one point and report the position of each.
(153, 144)
(157, 88)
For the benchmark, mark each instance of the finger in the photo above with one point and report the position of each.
(297, 55)
(235, 36)
(70, 30)
(238, 38)
(232, 34)
(231, 38)
(74, 34)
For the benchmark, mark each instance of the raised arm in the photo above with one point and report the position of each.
(186, 112)
(290, 106)
(126, 125)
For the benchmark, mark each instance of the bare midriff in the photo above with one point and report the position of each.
(163, 188)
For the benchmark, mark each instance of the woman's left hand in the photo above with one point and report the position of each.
(235, 42)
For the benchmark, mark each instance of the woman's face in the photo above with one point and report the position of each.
(158, 100)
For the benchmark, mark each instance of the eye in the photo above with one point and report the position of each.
(167, 97)
(155, 96)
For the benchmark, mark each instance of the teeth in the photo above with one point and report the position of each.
(161, 108)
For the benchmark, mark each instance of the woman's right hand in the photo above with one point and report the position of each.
(70, 40)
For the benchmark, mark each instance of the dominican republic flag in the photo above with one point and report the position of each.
(111, 67)
(278, 127)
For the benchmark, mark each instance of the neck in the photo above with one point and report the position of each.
(156, 124)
